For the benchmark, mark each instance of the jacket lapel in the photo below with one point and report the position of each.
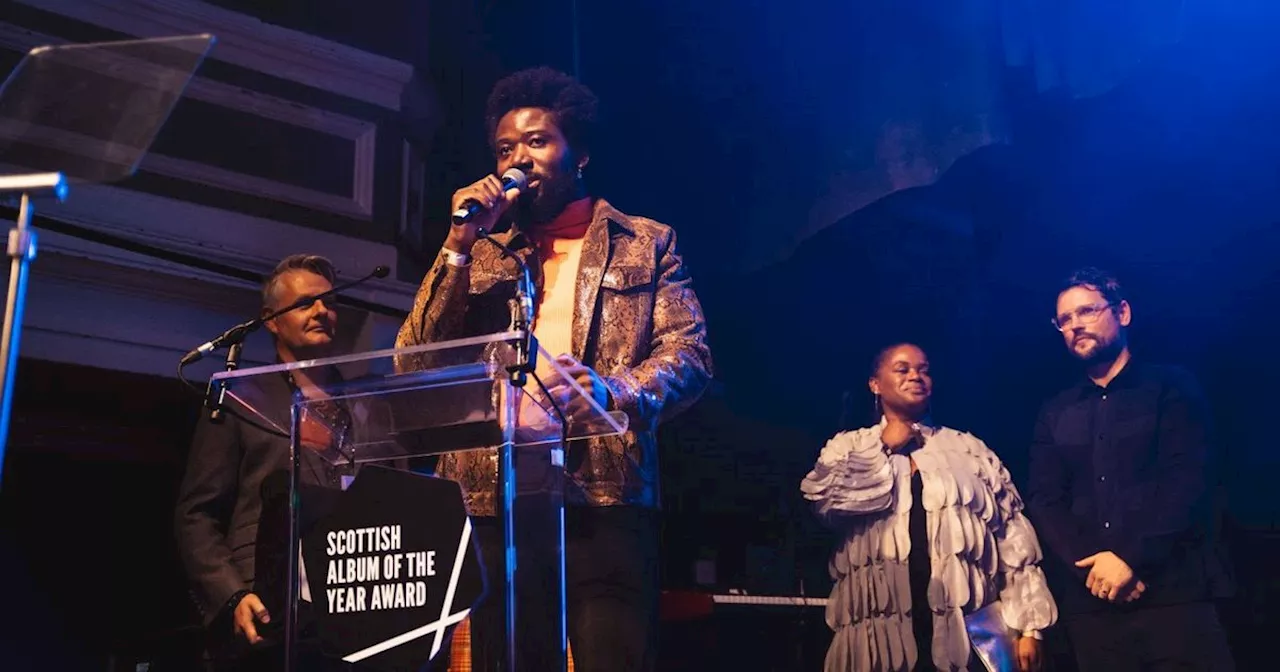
(591, 265)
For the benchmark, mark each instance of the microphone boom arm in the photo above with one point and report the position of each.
(238, 333)
(233, 338)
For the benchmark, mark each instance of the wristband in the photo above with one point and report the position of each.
(455, 258)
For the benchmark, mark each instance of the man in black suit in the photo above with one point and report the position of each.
(220, 501)
(1121, 490)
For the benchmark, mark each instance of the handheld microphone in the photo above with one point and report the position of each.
(513, 178)
(238, 333)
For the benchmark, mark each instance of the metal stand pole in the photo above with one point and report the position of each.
(21, 250)
(507, 472)
(294, 587)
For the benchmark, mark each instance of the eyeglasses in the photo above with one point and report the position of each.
(1086, 315)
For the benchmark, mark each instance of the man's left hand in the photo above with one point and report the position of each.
(1109, 578)
(1030, 654)
(570, 403)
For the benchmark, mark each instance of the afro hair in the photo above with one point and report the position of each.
(572, 103)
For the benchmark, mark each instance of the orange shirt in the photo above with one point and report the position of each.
(560, 246)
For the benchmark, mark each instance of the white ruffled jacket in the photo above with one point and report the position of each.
(981, 548)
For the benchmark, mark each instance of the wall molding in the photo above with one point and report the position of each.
(239, 240)
(360, 133)
(95, 305)
(250, 43)
(109, 316)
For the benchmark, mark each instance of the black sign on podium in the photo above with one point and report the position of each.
(388, 566)
(391, 569)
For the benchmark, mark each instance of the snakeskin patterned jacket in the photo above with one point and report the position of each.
(636, 322)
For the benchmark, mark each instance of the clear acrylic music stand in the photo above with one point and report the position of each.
(78, 113)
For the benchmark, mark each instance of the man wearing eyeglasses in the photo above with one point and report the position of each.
(1121, 490)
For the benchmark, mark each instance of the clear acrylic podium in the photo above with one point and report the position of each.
(429, 400)
(78, 113)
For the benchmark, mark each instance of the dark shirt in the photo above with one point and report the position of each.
(919, 568)
(1129, 469)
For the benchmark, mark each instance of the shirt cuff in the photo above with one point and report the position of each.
(1034, 634)
(235, 599)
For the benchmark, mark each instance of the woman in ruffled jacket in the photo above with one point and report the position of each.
(939, 569)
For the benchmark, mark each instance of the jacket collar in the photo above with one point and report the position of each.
(607, 222)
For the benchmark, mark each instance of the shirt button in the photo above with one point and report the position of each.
(1102, 478)
(1107, 524)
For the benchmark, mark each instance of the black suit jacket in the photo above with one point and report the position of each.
(220, 500)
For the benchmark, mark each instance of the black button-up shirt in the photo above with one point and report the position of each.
(1128, 469)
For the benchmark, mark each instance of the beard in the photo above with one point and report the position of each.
(1102, 351)
(545, 203)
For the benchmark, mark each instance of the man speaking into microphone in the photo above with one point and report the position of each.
(615, 305)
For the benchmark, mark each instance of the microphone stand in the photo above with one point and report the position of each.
(21, 251)
(522, 307)
(522, 310)
(216, 413)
